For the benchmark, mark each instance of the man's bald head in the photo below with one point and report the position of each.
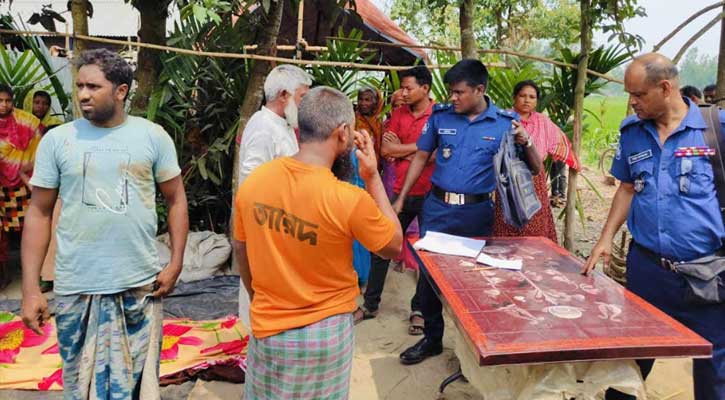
(656, 68)
(653, 87)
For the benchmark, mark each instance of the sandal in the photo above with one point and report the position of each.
(557, 202)
(415, 329)
(362, 313)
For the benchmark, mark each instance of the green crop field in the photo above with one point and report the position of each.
(601, 124)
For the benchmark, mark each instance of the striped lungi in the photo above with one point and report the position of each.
(110, 344)
(312, 362)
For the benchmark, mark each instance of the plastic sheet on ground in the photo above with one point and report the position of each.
(587, 380)
(204, 256)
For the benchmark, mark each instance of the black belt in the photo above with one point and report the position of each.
(664, 262)
(460, 198)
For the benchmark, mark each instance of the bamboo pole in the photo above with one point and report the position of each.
(483, 51)
(388, 44)
(696, 36)
(289, 47)
(551, 61)
(684, 24)
(300, 25)
(371, 67)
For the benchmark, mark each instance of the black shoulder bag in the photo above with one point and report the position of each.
(515, 184)
(704, 276)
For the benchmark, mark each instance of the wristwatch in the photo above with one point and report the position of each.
(529, 142)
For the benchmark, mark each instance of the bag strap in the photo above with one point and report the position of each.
(714, 140)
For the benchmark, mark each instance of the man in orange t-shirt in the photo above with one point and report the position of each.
(295, 221)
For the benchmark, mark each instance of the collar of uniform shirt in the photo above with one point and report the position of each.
(490, 111)
(693, 118)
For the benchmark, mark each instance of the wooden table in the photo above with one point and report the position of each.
(549, 312)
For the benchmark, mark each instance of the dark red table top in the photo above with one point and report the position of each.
(549, 312)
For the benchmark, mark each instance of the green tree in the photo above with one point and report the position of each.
(698, 70)
(608, 15)
(496, 23)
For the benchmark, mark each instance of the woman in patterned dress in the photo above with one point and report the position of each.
(549, 140)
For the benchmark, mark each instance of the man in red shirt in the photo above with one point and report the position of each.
(406, 125)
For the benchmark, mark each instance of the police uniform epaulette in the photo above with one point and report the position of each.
(438, 107)
(507, 113)
(631, 120)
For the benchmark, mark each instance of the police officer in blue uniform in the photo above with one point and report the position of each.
(668, 197)
(465, 136)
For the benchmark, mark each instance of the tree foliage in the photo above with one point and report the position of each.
(499, 23)
(197, 99)
(698, 70)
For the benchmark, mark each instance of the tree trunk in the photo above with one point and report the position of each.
(79, 11)
(152, 30)
(468, 40)
(327, 15)
(255, 90)
(581, 79)
(720, 92)
(260, 69)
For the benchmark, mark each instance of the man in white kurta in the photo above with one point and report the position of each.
(270, 133)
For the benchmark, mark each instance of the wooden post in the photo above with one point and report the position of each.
(300, 26)
(581, 79)
(67, 39)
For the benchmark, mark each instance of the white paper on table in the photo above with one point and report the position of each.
(443, 243)
(515, 265)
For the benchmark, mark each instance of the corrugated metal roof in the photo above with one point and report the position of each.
(111, 18)
(376, 19)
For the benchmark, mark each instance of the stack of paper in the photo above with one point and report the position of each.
(513, 264)
(443, 243)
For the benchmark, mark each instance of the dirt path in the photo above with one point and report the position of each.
(377, 373)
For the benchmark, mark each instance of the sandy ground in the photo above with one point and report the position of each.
(377, 373)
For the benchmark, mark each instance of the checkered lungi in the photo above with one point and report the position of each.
(14, 203)
(312, 362)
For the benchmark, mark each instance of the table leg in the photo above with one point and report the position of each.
(456, 376)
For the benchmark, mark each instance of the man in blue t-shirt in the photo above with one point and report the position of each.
(109, 283)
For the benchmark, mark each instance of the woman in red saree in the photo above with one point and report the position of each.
(549, 140)
(19, 138)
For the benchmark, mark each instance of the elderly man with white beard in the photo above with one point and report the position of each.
(270, 133)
